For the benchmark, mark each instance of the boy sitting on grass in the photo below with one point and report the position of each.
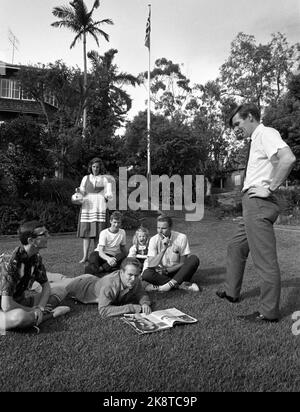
(111, 249)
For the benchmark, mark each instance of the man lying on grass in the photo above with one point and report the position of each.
(115, 293)
(20, 306)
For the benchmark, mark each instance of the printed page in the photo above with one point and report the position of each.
(145, 323)
(170, 316)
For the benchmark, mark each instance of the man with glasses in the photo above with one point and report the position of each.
(20, 306)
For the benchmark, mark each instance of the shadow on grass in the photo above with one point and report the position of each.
(293, 299)
(210, 276)
(253, 293)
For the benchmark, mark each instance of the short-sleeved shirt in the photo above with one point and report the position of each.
(111, 242)
(179, 247)
(20, 273)
(265, 142)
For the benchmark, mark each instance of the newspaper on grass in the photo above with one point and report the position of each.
(158, 320)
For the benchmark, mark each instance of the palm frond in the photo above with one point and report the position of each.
(101, 33)
(93, 34)
(63, 12)
(104, 21)
(126, 78)
(77, 37)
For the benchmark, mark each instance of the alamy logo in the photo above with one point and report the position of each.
(296, 325)
(147, 196)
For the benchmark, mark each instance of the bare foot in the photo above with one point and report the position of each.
(83, 260)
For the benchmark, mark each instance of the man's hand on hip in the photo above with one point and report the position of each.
(259, 191)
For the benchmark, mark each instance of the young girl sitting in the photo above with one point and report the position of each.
(139, 248)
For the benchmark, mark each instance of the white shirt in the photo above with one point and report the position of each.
(265, 142)
(111, 241)
(179, 247)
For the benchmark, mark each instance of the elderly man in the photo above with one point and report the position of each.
(170, 264)
(270, 161)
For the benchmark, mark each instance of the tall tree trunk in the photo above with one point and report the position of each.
(84, 86)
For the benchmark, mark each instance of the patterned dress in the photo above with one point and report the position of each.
(92, 217)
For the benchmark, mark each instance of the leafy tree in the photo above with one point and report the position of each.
(23, 155)
(78, 19)
(258, 73)
(33, 81)
(65, 84)
(285, 117)
(170, 88)
(173, 148)
(110, 101)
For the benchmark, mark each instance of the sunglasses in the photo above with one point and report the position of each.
(45, 233)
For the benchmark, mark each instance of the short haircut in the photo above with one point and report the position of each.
(93, 161)
(243, 110)
(116, 216)
(165, 218)
(131, 261)
(26, 230)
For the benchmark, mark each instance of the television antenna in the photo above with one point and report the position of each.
(14, 42)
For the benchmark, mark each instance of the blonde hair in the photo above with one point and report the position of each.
(141, 229)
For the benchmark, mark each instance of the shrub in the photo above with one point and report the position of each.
(57, 217)
(53, 190)
(289, 203)
(9, 219)
(131, 219)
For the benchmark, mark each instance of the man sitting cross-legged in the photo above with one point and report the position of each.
(116, 293)
(20, 306)
(111, 249)
(170, 264)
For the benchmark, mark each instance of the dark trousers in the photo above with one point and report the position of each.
(256, 235)
(183, 274)
(95, 261)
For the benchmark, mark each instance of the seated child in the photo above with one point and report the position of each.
(111, 249)
(139, 248)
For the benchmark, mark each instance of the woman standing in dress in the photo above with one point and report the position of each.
(92, 218)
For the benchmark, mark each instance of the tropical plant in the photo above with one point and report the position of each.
(78, 19)
(110, 101)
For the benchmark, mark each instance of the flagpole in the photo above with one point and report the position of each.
(148, 109)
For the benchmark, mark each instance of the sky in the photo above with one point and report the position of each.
(194, 33)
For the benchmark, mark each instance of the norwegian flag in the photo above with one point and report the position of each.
(148, 30)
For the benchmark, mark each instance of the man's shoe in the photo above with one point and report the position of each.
(191, 287)
(60, 311)
(223, 295)
(257, 317)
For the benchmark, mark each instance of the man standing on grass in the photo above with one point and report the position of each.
(20, 306)
(170, 264)
(269, 164)
(117, 293)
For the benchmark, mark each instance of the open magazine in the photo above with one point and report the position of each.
(159, 320)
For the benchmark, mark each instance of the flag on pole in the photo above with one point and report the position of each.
(148, 30)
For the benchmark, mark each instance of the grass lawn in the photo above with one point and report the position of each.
(80, 352)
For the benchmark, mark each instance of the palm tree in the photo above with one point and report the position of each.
(79, 19)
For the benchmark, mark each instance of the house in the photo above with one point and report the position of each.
(14, 102)
(234, 178)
